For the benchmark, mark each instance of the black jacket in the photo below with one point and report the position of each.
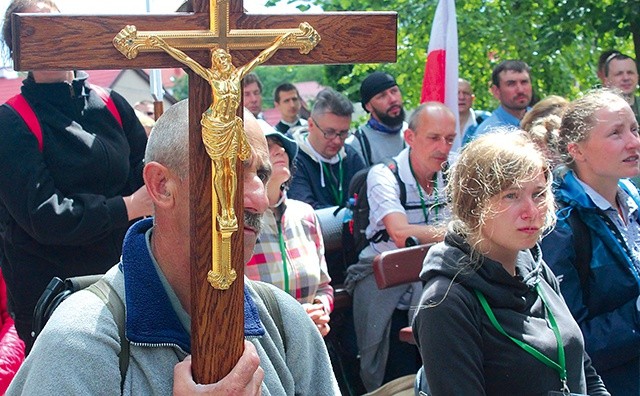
(309, 184)
(61, 210)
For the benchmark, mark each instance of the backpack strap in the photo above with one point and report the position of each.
(383, 235)
(364, 145)
(269, 298)
(581, 246)
(20, 105)
(114, 303)
(108, 101)
(393, 166)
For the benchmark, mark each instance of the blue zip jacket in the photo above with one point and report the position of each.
(607, 310)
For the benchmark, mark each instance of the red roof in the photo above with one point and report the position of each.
(271, 116)
(308, 89)
(9, 87)
(103, 78)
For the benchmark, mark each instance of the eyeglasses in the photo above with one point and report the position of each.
(332, 134)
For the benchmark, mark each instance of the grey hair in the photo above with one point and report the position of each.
(331, 101)
(169, 140)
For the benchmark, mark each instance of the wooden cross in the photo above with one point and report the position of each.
(65, 42)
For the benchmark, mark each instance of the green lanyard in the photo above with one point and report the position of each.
(560, 366)
(283, 253)
(422, 201)
(337, 192)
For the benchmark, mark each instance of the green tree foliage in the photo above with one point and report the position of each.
(181, 87)
(560, 40)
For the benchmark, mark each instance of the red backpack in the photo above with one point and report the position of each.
(20, 105)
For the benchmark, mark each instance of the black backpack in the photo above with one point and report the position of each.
(582, 247)
(58, 290)
(364, 146)
(353, 234)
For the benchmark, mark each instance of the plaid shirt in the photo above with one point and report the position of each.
(306, 265)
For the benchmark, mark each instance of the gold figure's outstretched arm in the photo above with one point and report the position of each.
(265, 54)
(178, 55)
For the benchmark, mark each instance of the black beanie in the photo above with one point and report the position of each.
(375, 83)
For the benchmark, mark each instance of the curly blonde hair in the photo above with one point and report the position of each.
(486, 167)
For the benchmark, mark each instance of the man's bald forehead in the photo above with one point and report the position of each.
(255, 136)
(259, 147)
(427, 111)
(433, 108)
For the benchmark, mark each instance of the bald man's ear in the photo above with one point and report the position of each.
(161, 184)
(409, 136)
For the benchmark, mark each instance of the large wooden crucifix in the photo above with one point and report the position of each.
(85, 42)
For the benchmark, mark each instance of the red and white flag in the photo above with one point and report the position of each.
(440, 83)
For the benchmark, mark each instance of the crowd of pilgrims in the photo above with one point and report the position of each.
(532, 282)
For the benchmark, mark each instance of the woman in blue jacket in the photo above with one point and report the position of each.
(595, 248)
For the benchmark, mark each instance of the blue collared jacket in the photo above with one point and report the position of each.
(606, 309)
(499, 118)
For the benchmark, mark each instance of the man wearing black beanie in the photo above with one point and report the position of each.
(382, 135)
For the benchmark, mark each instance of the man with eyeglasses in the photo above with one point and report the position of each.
(324, 166)
(379, 314)
(382, 135)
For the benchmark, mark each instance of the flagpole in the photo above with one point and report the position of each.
(155, 84)
(157, 92)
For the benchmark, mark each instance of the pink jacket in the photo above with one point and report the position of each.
(11, 346)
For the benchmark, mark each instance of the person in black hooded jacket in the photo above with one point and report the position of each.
(66, 201)
(488, 295)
